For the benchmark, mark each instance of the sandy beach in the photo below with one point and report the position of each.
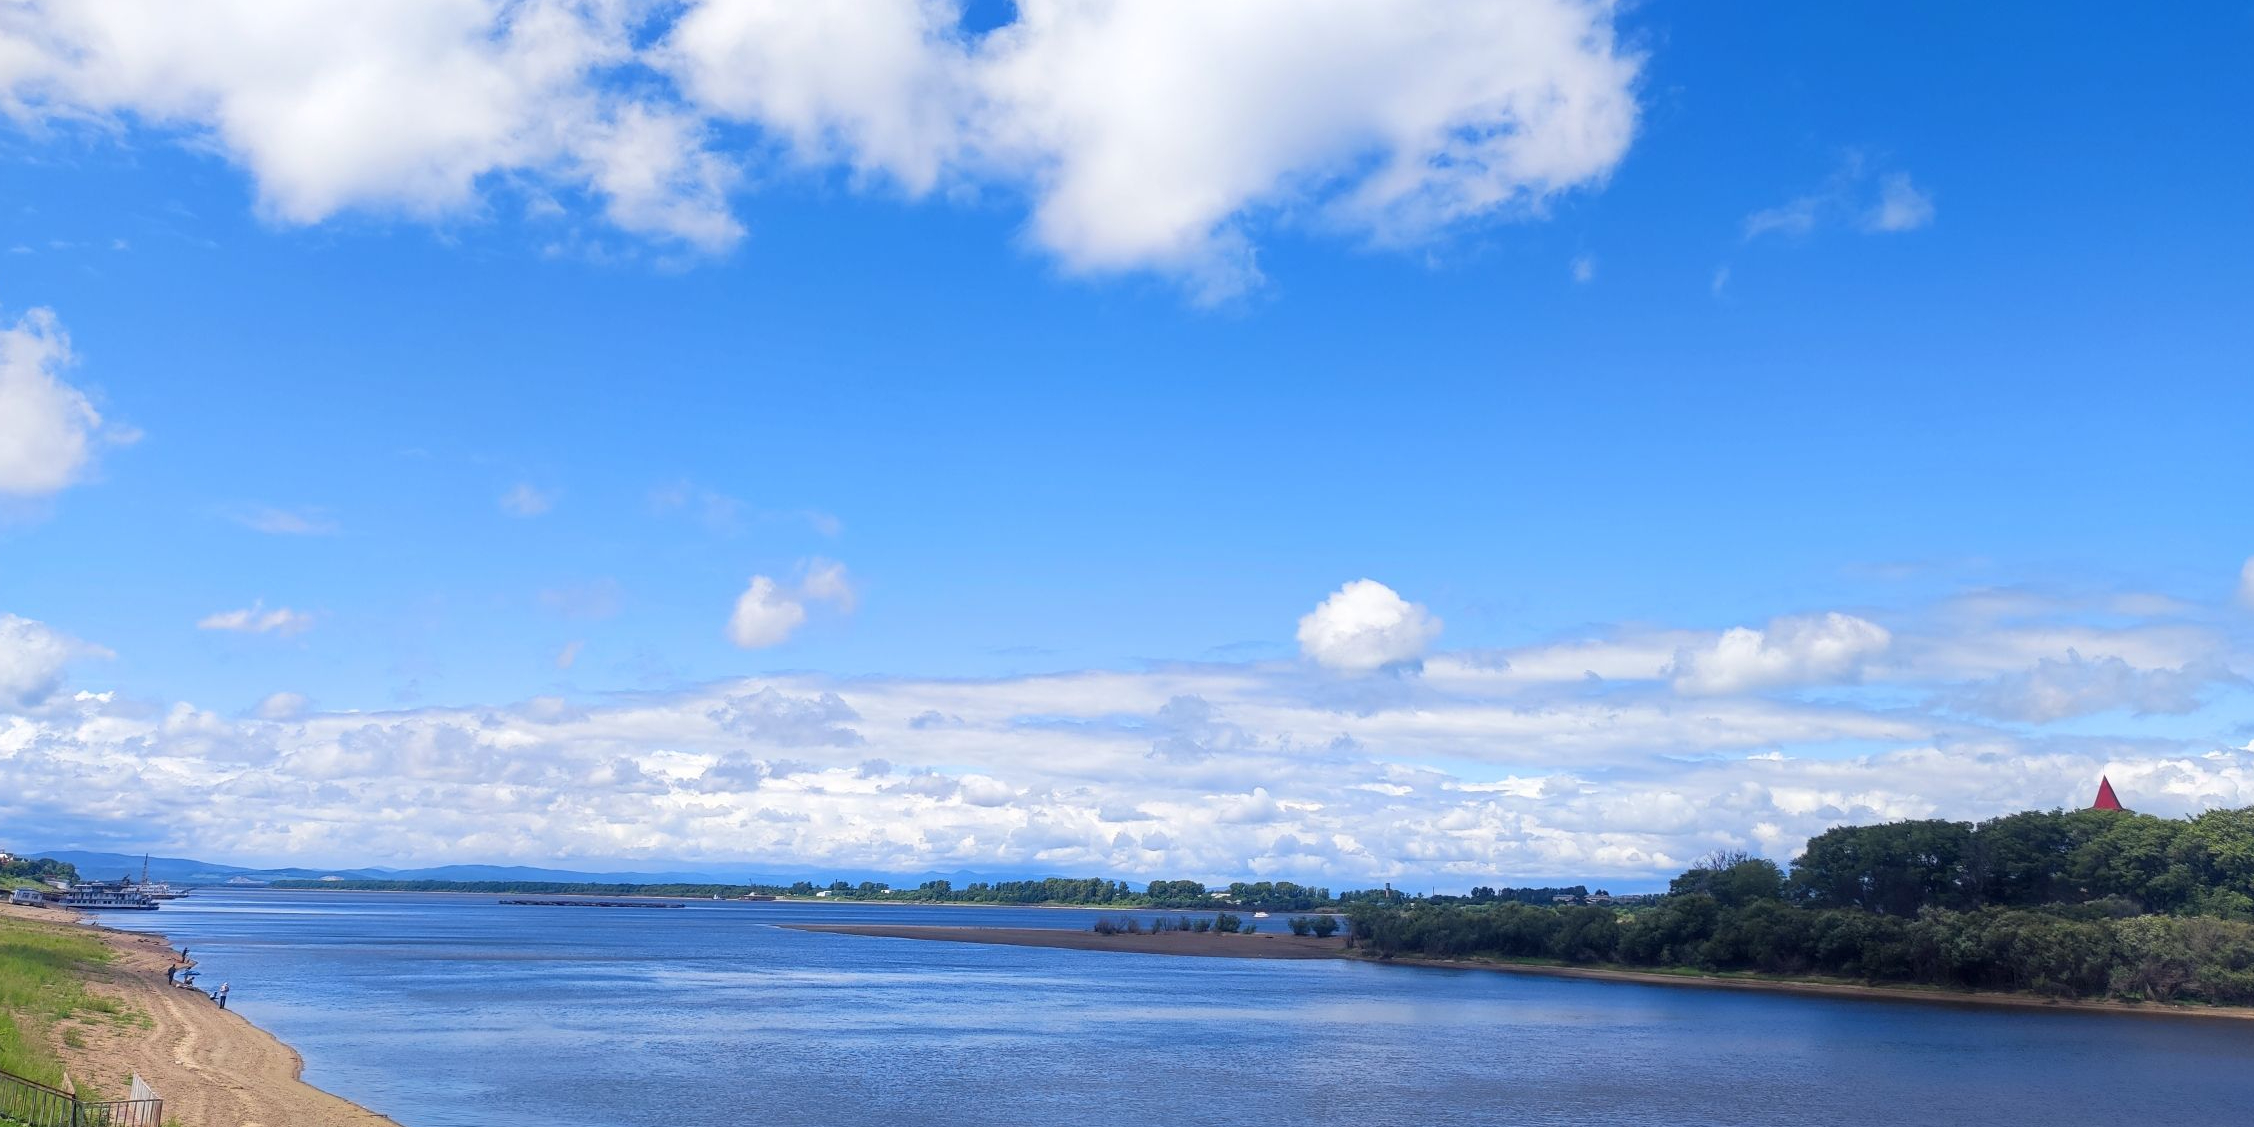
(212, 1066)
(1214, 945)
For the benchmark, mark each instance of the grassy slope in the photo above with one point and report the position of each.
(43, 981)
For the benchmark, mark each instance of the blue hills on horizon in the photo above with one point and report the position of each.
(183, 870)
(94, 865)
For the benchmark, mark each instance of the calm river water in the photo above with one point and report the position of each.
(455, 1011)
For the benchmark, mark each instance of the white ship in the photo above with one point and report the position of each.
(155, 890)
(102, 894)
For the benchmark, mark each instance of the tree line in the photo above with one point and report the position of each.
(1265, 896)
(19, 871)
(2076, 904)
(1227, 923)
(523, 887)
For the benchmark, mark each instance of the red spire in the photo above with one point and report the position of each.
(2105, 799)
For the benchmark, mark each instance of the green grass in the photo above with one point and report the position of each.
(43, 981)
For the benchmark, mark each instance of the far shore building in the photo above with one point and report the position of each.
(2105, 799)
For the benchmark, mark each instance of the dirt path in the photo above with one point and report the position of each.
(212, 1066)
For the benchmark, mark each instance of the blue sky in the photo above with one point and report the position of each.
(1856, 311)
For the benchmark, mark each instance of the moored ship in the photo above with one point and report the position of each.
(155, 890)
(108, 895)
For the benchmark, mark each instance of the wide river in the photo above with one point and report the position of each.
(457, 1011)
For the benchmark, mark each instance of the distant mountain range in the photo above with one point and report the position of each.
(184, 870)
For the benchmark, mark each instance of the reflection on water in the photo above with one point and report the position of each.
(451, 1011)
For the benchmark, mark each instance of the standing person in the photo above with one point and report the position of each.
(170, 974)
(223, 995)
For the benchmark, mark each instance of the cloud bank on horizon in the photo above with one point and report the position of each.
(1617, 756)
(1145, 136)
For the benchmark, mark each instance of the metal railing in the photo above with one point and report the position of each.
(33, 1104)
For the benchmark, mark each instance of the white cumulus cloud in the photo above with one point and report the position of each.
(1365, 625)
(765, 615)
(1148, 135)
(768, 613)
(881, 86)
(1794, 650)
(1150, 129)
(403, 106)
(256, 619)
(48, 429)
(33, 657)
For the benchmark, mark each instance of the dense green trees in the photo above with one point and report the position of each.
(35, 870)
(2061, 903)
(1177, 892)
(1544, 896)
(2157, 958)
(1278, 896)
(2198, 866)
(1732, 878)
(1895, 868)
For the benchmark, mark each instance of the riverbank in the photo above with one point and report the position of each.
(1928, 995)
(1208, 944)
(212, 1067)
(1259, 946)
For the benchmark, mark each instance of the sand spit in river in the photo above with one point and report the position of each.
(1216, 944)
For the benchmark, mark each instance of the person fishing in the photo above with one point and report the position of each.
(221, 997)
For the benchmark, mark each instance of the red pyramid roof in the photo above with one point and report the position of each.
(2105, 799)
